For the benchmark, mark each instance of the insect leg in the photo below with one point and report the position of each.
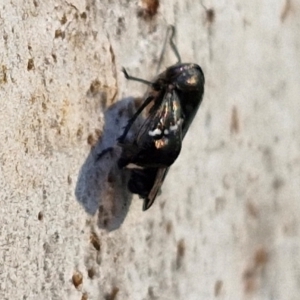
(134, 117)
(127, 76)
(162, 53)
(100, 155)
(172, 44)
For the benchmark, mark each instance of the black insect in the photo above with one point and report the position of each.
(175, 96)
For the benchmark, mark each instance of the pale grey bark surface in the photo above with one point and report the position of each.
(226, 225)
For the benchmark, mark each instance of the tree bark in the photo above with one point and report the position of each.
(226, 225)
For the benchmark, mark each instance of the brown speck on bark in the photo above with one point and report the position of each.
(180, 253)
(218, 287)
(79, 133)
(59, 34)
(40, 216)
(253, 273)
(94, 239)
(95, 87)
(77, 279)
(287, 9)
(54, 57)
(113, 294)
(252, 210)
(3, 75)
(148, 9)
(90, 140)
(169, 227)
(84, 296)
(210, 15)
(91, 273)
(235, 123)
(261, 257)
(30, 64)
(83, 15)
(63, 19)
(250, 285)
(277, 183)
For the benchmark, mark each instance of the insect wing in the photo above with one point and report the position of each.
(163, 115)
(160, 177)
(159, 138)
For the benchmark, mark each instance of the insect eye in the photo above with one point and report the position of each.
(190, 79)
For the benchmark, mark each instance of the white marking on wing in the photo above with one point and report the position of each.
(155, 132)
(133, 166)
(174, 127)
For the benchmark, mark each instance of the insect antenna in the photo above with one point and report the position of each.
(172, 44)
(162, 51)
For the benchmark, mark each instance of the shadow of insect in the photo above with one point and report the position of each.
(101, 186)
